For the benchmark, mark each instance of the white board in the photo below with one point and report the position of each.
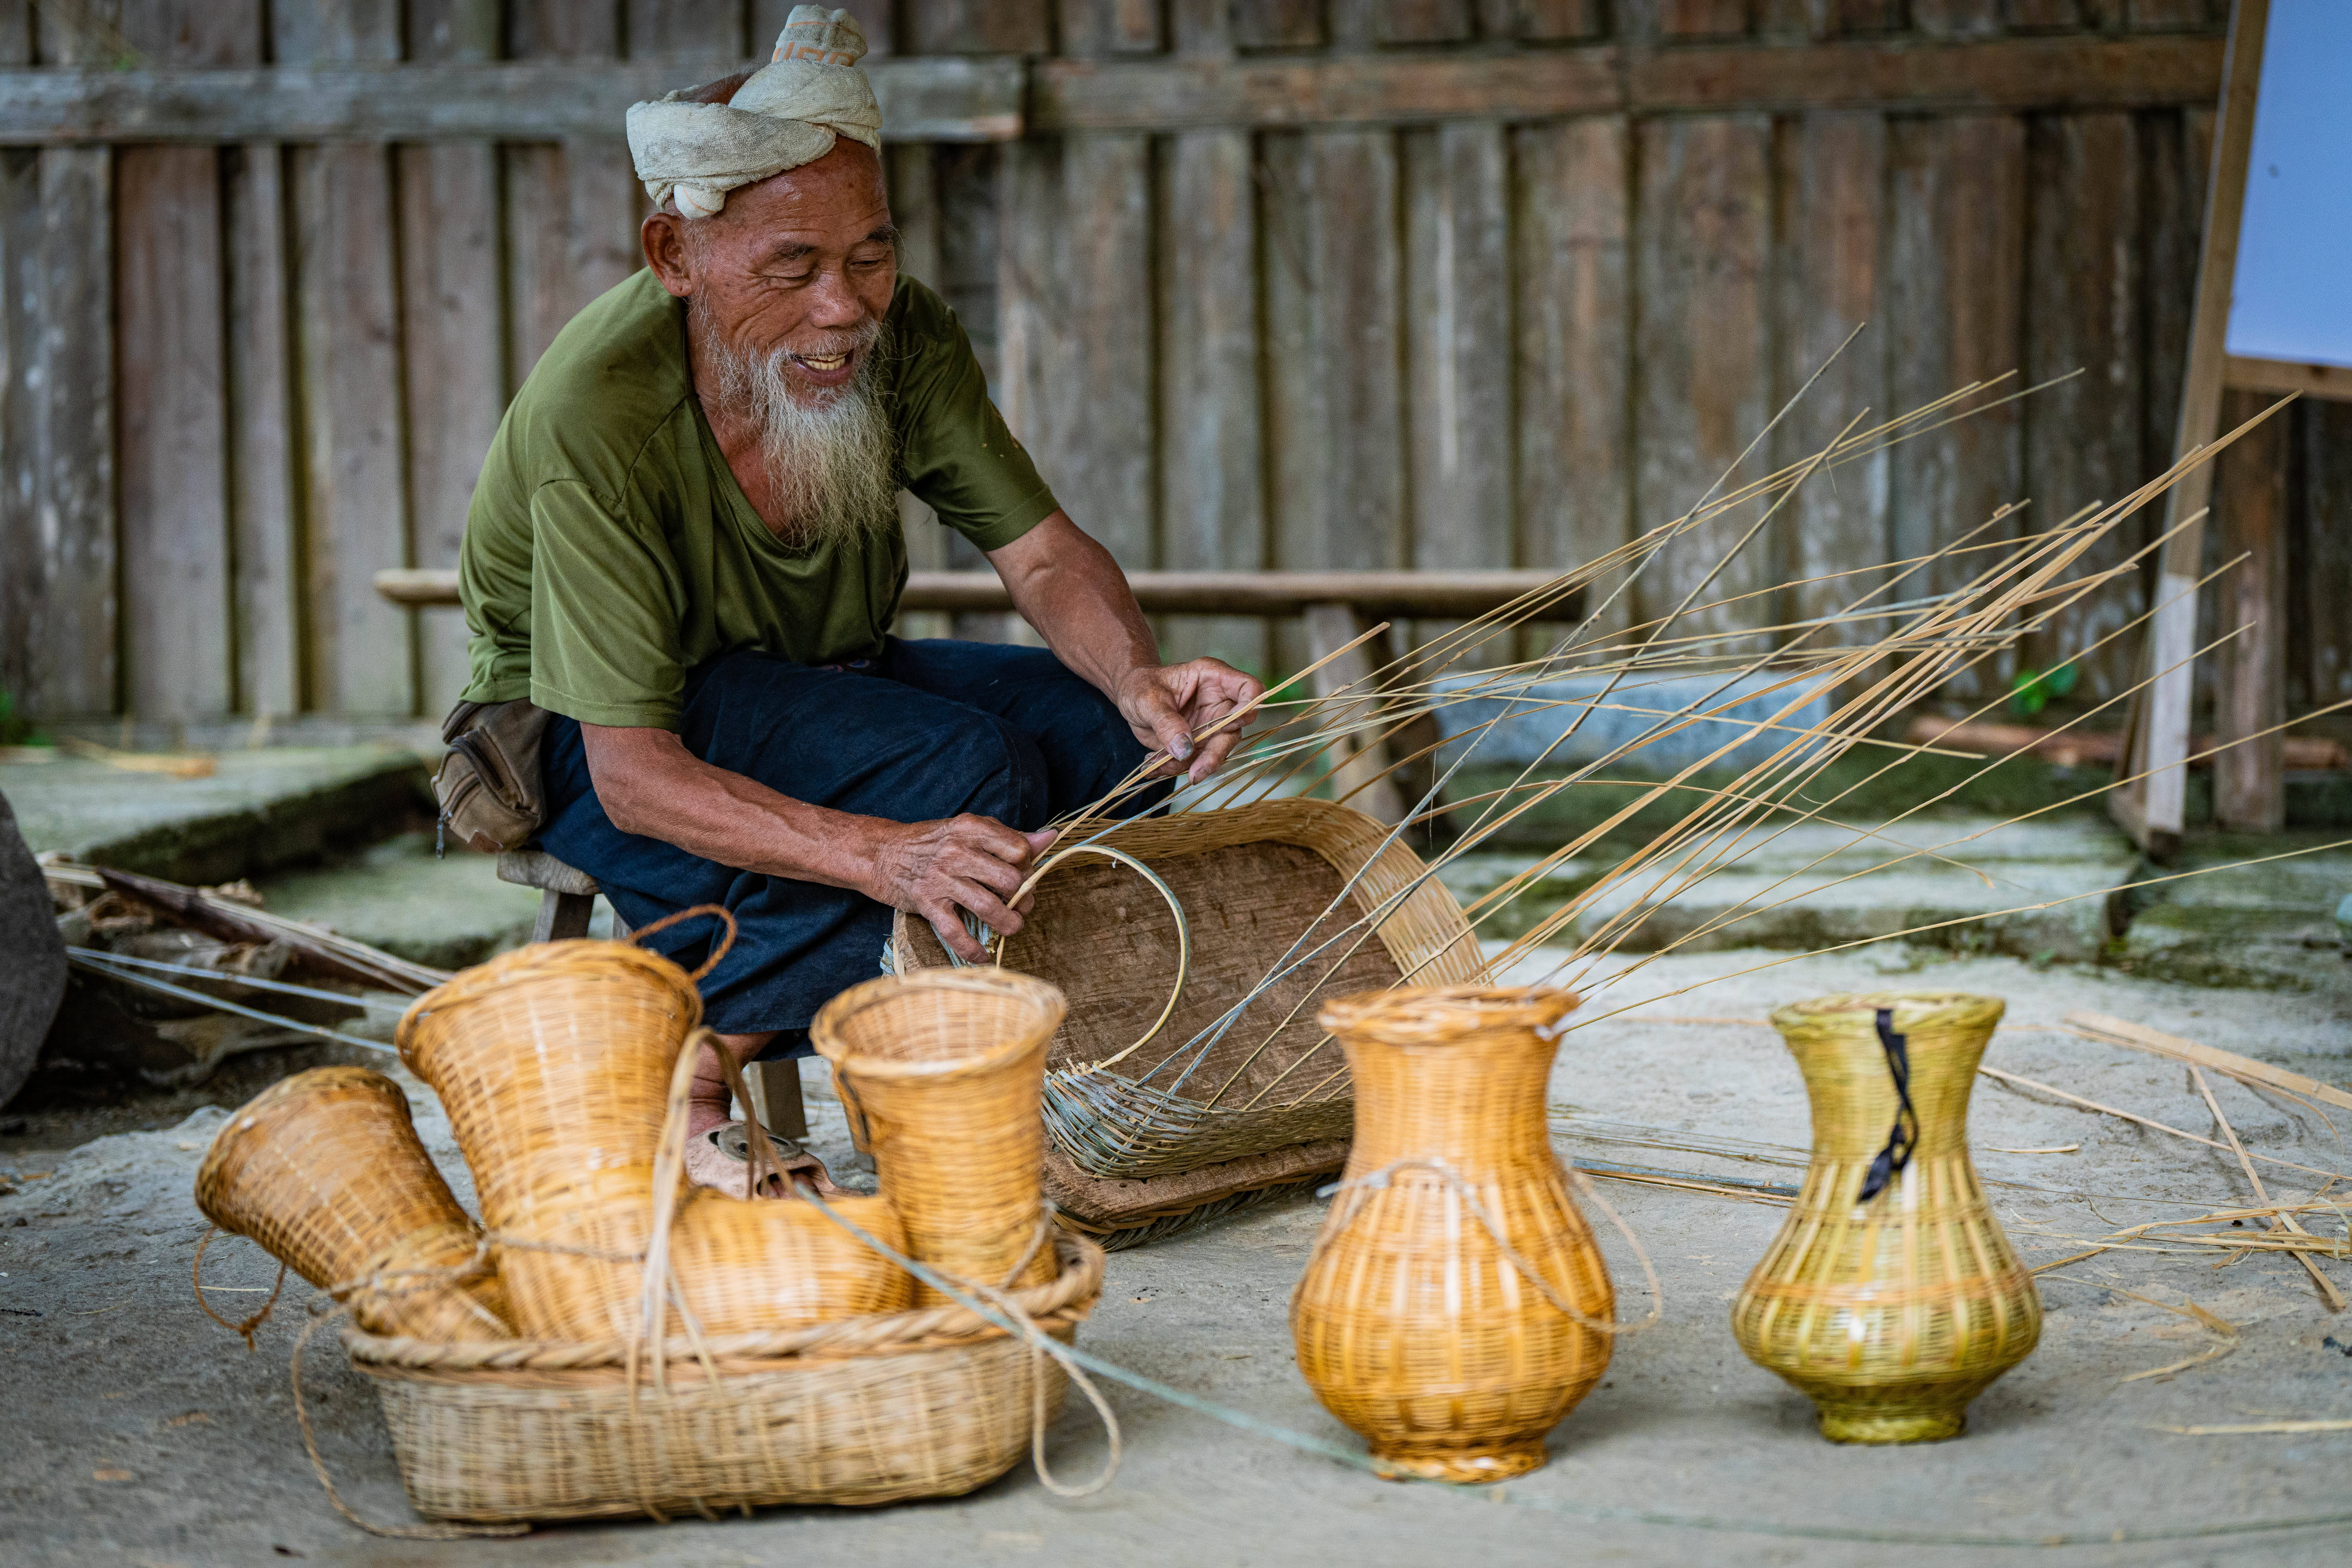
(2292, 295)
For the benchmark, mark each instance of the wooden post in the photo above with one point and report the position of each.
(2155, 810)
(2249, 785)
(1329, 626)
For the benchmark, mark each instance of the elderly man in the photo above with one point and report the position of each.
(685, 545)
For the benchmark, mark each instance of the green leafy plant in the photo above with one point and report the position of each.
(2032, 690)
(15, 731)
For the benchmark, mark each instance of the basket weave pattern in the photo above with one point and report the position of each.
(1891, 1315)
(324, 1169)
(941, 1073)
(555, 1063)
(1412, 1325)
(1109, 944)
(868, 1410)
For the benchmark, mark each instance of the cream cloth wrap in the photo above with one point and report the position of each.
(789, 114)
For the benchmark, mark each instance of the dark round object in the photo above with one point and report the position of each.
(32, 957)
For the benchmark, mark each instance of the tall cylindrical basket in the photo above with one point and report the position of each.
(941, 1073)
(1891, 1312)
(1456, 1307)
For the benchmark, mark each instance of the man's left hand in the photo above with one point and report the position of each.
(1168, 704)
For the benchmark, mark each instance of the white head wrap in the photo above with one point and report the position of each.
(787, 114)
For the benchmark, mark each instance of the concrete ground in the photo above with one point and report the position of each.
(143, 1434)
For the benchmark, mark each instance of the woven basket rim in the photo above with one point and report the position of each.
(493, 975)
(1068, 1296)
(1439, 1017)
(229, 1146)
(1922, 1007)
(825, 1030)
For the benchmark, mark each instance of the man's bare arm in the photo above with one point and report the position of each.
(649, 783)
(1073, 592)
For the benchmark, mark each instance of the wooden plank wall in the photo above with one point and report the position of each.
(240, 379)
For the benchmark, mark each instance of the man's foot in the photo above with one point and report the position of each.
(720, 1158)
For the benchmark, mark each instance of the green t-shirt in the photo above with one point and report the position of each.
(609, 550)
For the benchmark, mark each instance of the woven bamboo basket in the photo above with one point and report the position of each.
(1455, 1306)
(939, 1074)
(324, 1169)
(930, 1403)
(555, 1063)
(1892, 1314)
(1255, 881)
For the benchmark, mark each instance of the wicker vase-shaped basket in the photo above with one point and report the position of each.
(554, 1062)
(1894, 1312)
(324, 1169)
(941, 1073)
(1456, 1307)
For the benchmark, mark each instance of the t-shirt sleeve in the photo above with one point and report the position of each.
(959, 456)
(605, 604)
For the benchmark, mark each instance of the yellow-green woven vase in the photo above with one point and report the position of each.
(1891, 1315)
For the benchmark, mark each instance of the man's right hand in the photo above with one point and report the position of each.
(935, 868)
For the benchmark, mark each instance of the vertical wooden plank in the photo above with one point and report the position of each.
(1703, 367)
(2172, 15)
(1954, 290)
(360, 651)
(467, 30)
(15, 32)
(1833, 179)
(1278, 25)
(173, 436)
(23, 559)
(171, 426)
(2046, 15)
(2248, 789)
(2323, 583)
(1704, 19)
(356, 502)
(564, 29)
(1077, 330)
(977, 27)
(1212, 456)
(1424, 21)
(1202, 26)
(1097, 28)
(341, 30)
(1956, 19)
(1458, 348)
(1550, 21)
(1574, 347)
(2083, 312)
(1334, 298)
(454, 369)
(263, 460)
(74, 664)
(687, 29)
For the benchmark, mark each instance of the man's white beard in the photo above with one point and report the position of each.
(829, 453)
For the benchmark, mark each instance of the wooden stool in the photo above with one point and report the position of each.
(568, 901)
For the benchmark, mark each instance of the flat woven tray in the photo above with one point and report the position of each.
(867, 1410)
(1254, 881)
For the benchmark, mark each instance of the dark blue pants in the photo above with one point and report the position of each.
(926, 731)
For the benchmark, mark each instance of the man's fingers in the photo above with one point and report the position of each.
(952, 935)
(996, 911)
(985, 832)
(978, 866)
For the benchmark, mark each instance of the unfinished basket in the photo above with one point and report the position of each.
(555, 1063)
(930, 1403)
(1892, 1314)
(939, 1075)
(1455, 1306)
(324, 1169)
(1255, 881)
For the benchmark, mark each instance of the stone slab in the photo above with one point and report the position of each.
(262, 809)
(448, 912)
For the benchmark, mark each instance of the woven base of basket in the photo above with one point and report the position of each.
(1932, 1414)
(1121, 1212)
(872, 1410)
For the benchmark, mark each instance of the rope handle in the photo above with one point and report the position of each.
(1378, 1181)
(637, 937)
(245, 1329)
(1175, 907)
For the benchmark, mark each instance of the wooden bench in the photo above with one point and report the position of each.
(1337, 607)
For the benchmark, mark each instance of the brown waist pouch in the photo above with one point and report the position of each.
(489, 786)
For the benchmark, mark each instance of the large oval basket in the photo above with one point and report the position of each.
(868, 1410)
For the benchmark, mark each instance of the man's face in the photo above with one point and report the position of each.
(805, 262)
